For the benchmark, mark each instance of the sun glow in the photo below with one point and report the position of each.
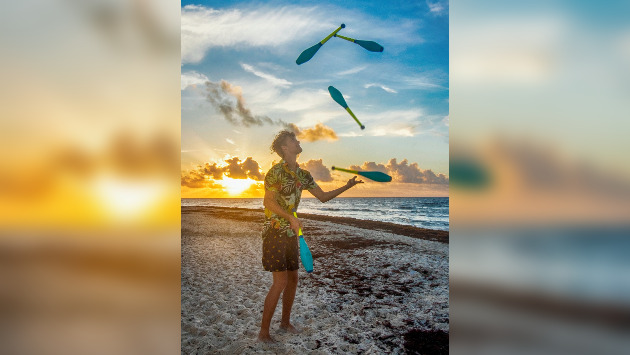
(235, 186)
(126, 199)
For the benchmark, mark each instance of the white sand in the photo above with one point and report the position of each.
(367, 290)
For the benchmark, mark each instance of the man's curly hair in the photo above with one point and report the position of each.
(279, 141)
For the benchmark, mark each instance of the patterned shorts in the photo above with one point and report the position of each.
(280, 253)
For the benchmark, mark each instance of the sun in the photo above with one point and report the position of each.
(235, 186)
(128, 199)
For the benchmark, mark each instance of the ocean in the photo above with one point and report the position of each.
(423, 212)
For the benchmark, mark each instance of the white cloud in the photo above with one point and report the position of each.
(390, 90)
(192, 78)
(437, 8)
(410, 115)
(349, 134)
(230, 141)
(304, 99)
(352, 71)
(270, 78)
(422, 82)
(311, 118)
(204, 28)
(393, 130)
(389, 123)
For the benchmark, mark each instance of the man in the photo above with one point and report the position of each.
(283, 188)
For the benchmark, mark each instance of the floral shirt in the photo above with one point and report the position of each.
(288, 186)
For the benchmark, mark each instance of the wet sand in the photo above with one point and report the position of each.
(376, 287)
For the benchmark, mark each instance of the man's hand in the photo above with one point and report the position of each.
(353, 182)
(296, 224)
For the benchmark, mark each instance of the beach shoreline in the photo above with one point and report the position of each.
(399, 229)
(377, 287)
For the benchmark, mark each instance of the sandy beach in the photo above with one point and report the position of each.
(376, 287)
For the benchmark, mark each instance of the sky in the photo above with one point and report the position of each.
(240, 85)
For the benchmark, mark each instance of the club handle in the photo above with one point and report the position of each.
(299, 230)
(332, 34)
(346, 38)
(355, 117)
(346, 170)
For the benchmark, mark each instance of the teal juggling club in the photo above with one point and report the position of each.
(336, 95)
(308, 53)
(372, 175)
(305, 252)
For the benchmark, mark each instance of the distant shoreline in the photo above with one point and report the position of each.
(399, 229)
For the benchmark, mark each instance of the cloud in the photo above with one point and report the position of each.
(319, 132)
(234, 168)
(247, 169)
(400, 123)
(353, 70)
(126, 154)
(318, 170)
(230, 141)
(371, 166)
(424, 82)
(196, 180)
(313, 117)
(228, 100)
(204, 28)
(214, 171)
(400, 130)
(435, 125)
(404, 172)
(303, 99)
(438, 8)
(367, 86)
(393, 123)
(270, 78)
(192, 78)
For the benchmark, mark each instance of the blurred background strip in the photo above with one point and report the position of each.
(540, 179)
(89, 177)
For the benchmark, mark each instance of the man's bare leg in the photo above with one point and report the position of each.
(271, 301)
(287, 301)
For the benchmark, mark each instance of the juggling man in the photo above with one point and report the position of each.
(284, 183)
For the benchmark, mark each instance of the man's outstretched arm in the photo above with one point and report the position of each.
(325, 196)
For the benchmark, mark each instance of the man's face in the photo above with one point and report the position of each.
(292, 145)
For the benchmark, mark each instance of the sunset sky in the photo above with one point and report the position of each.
(240, 85)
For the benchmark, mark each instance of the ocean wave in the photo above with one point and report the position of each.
(431, 213)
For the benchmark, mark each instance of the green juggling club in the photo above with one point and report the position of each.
(372, 175)
(336, 95)
(307, 54)
(369, 45)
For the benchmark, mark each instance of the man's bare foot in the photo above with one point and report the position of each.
(290, 328)
(266, 338)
